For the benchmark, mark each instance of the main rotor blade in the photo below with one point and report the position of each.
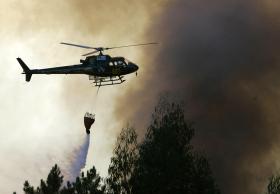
(90, 53)
(100, 49)
(77, 45)
(130, 45)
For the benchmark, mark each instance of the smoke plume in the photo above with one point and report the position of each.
(222, 59)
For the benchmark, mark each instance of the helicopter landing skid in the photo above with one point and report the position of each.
(108, 81)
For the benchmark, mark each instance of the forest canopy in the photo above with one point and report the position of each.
(163, 162)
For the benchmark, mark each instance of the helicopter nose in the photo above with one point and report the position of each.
(133, 67)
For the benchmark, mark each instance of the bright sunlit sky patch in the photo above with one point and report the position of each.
(42, 121)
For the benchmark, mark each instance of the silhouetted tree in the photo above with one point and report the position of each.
(51, 186)
(89, 184)
(68, 189)
(122, 163)
(53, 183)
(167, 162)
(273, 186)
(202, 179)
(27, 188)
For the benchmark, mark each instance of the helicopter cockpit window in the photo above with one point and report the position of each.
(101, 58)
(111, 63)
(120, 63)
(126, 61)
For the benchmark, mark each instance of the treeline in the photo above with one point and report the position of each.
(164, 162)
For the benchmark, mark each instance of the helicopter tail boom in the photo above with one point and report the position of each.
(26, 69)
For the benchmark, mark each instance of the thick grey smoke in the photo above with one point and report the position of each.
(222, 59)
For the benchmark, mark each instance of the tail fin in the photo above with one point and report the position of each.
(26, 70)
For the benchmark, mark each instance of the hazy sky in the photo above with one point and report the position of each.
(221, 58)
(42, 121)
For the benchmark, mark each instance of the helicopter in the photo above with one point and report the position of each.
(102, 69)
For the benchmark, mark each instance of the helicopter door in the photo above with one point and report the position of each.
(92, 62)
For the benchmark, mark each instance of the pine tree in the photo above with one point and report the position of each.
(122, 163)
(27, 188)
(167, 162)
(54, 180)
(273, 186)
(89, 184)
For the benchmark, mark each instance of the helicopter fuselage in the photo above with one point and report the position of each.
(100, 66)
